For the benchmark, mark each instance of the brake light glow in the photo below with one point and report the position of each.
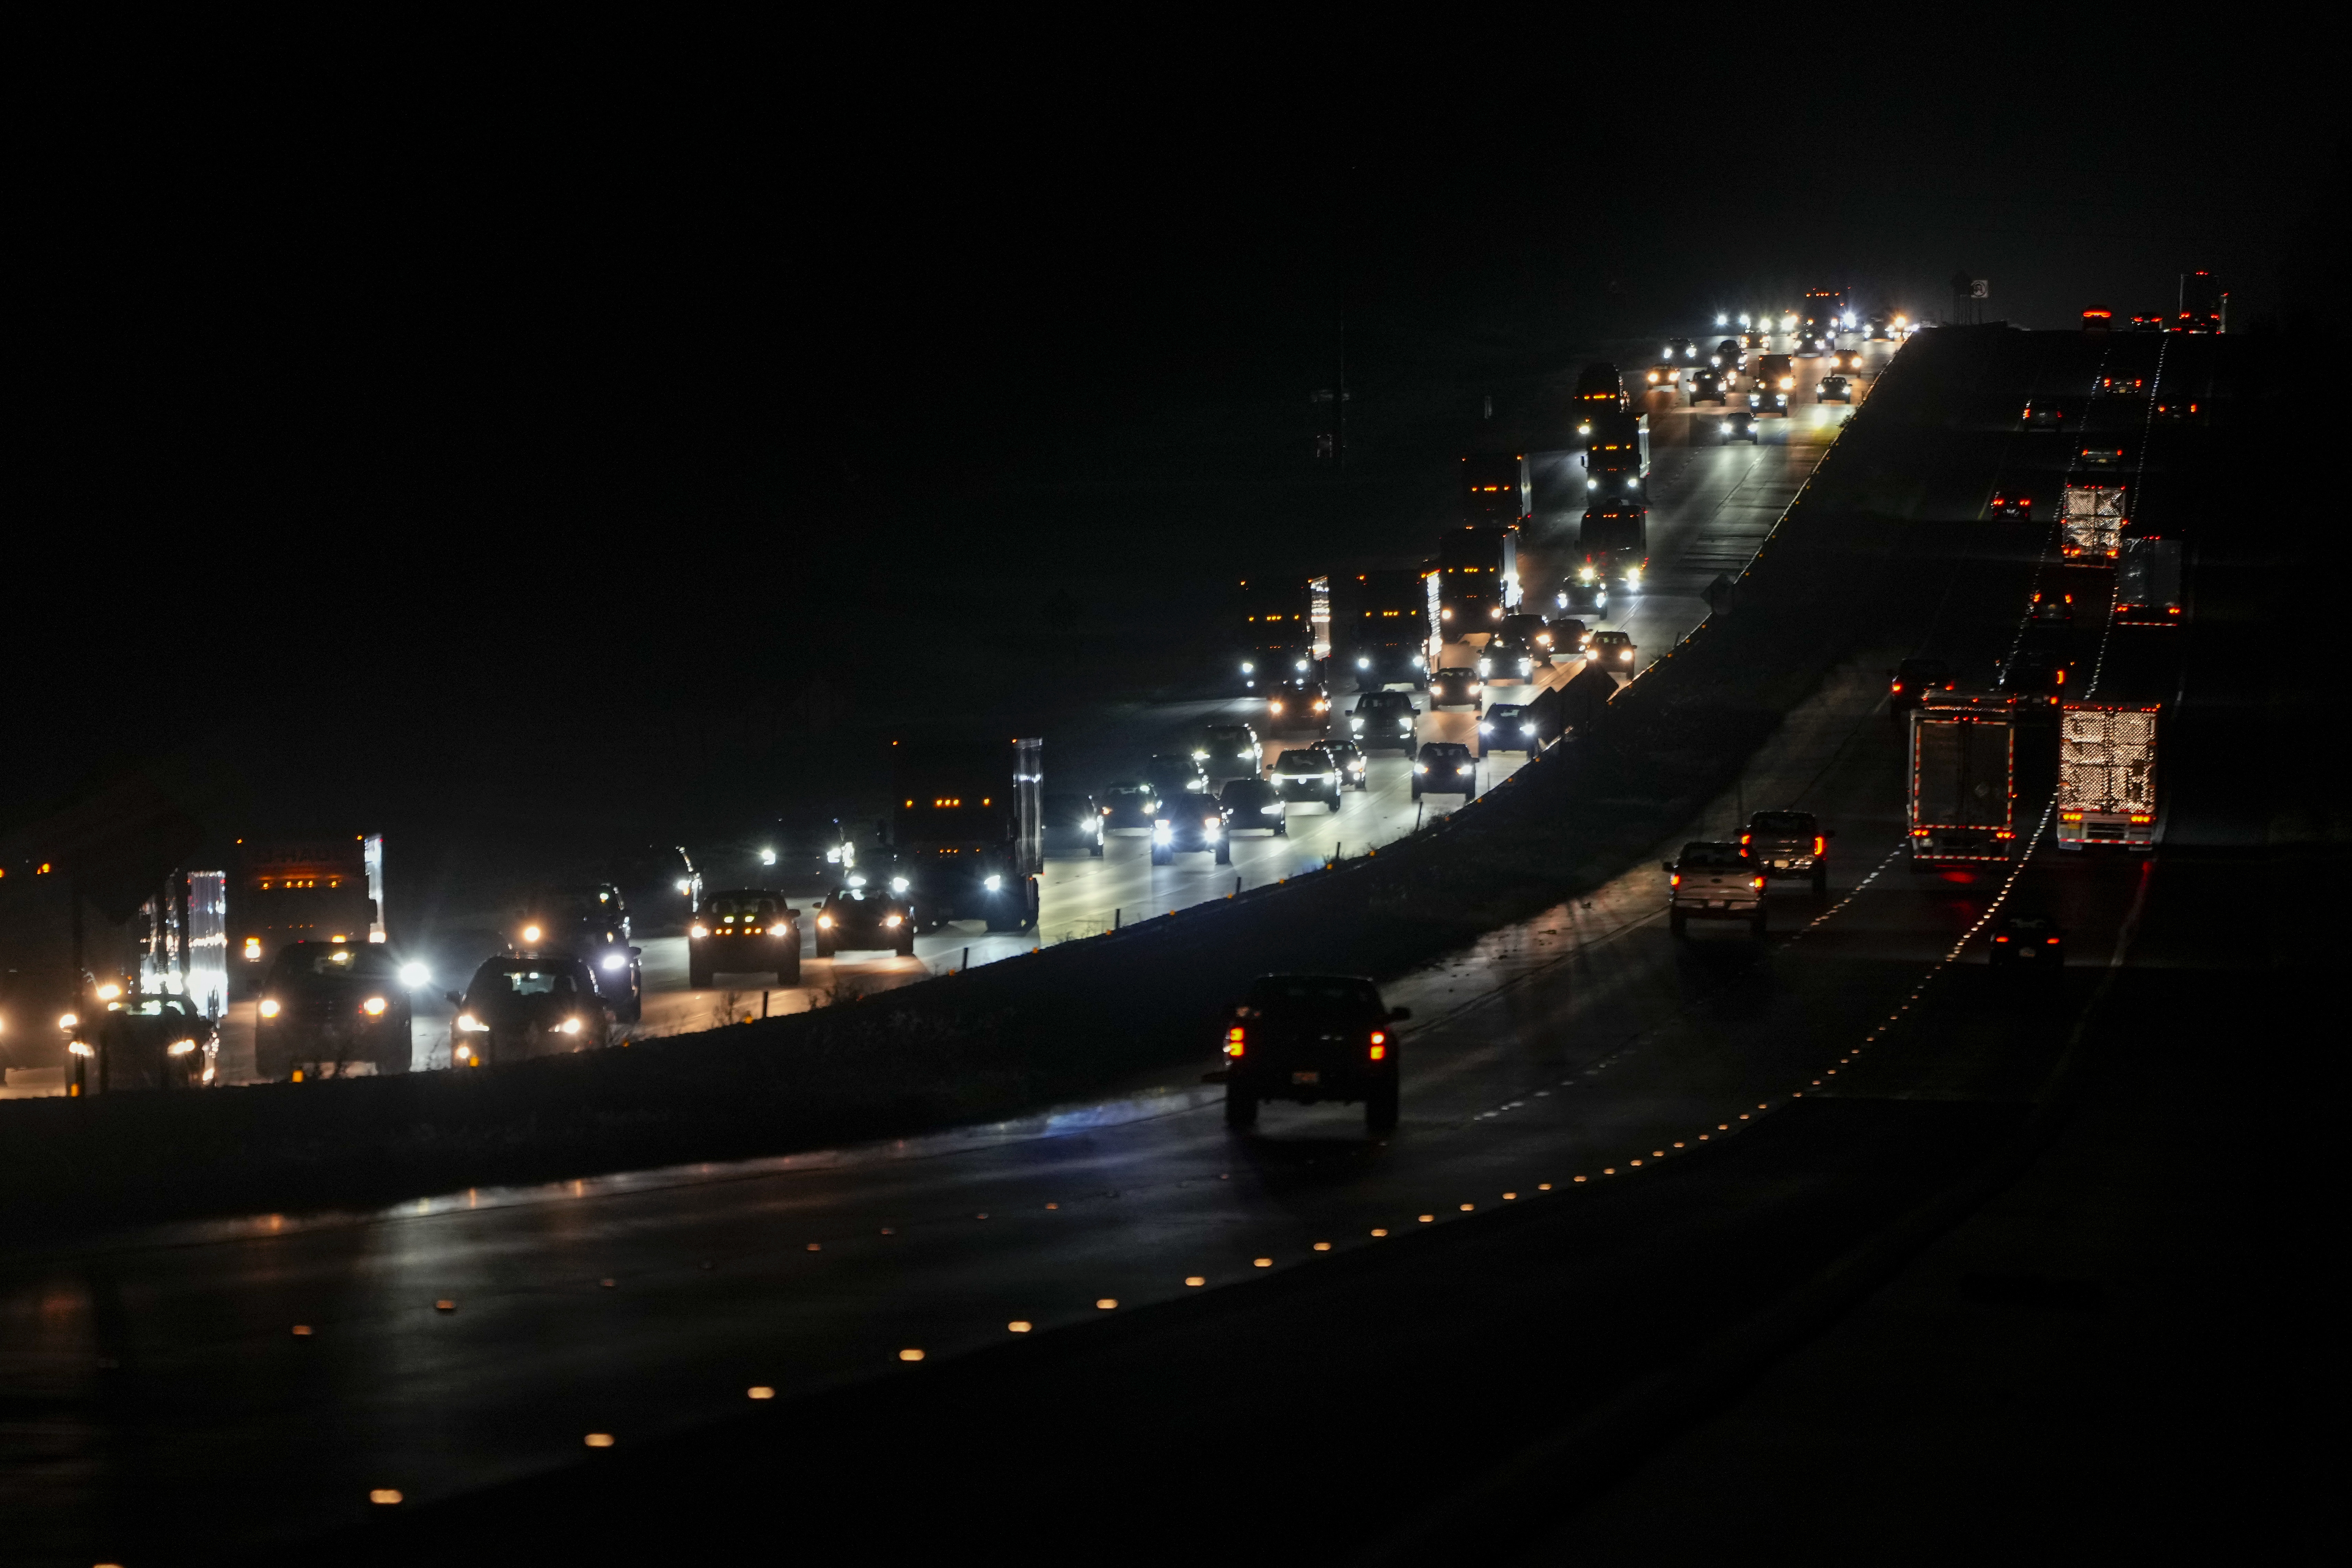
(1380, 1046)
(1821, 844)
(1756, 883)
(1234, 1041)
(2050, 941)
(2001, 939)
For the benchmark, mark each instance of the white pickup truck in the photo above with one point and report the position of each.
(1713, 883)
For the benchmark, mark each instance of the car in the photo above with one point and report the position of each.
(1309, 772)
(590, 923)
(1445, 767)
(515, 1008)
(1913, 678)
(1660, 377)
(2100, 456)
(1846, 359)
(150, 1040)
(1680, 350)
(1454, 687)
(1713, 881)
(1254, 806)
(1228, 752)
(1708, 386)
(854, 919)
(2043, 414)
(1739, 426)
(1507, 657)
(1299, 705)
(1174, 776)
(2050, 609)
(1613, 651)
(2016, 509)
(2174, 410)
(1130, 806)
(1767, 400)
(1808, 344)
(331, 1009)
(1308, 1038)
(1877, 333)
(2122, 385)
(1533, 630)
(743, 930)
(2027, 943)
(2036, 677)
(1071, 825)
(1507, 727)
(1833, 389)
(1348, 759)
(1730, 357)
(1191, 825)
(1568, 636)
(1382, 719)
(1577, 592)
(1789, 843)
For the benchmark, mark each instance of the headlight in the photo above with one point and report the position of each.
(472, 1025)
(253, 950)
(1248, 668)
(894, 922)
(1526, 729)
(898, 884)
(268, 1007)
(1274, 810)
(413, 974)
(1211, 826)
(1485, 729)
(994, 884)
(1162, 831)
(531, 935)
(372, 1007)
(1355, 723)
(697, 930)
(825, 922)
(1421, 767)
(613, 963)
(464, 1053)
(80, 1049)
(776, 929)
(1363, 663)
(179, 1048)
(570, 1025)
(1464, 768)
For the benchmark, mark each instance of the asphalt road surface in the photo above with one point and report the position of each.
(203, 1390)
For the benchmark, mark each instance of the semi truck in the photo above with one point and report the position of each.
(1283, 621)
(1825, 312)
(2106, 775)
(2147, 584)
(1617, 457)
(1599, 389)
(1387, 635)
(1496, 488)
(2091, 522)
(1478, 578)
(1963, 778)
(968, 831)
(328, 890)
(2204, 304)
(1613, 547)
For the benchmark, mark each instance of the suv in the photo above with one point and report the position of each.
(519, 1007)
(1445, 767)
(1739, 426)
(1228, 752)
(1533, 630)
(1307, 1038)
(1348, 759)
(1454, 687)
(1175, 779)
(1072, 825)
(590, 923)
(1713, 881)
(1191, 825)
(2018, 509)
(1789, 843)
(1382, 719)
(2041, 413)
(1729, 357)
(1253, 805)
(1307, 773)
(1299, 705)
(863, 918)
(1129, 804)
(744, 930)
(1833, 389)
(150, 1041)
(1611, 651)
(2027, 941)
(1507, 657)
(1708, 386)
(329, 1008)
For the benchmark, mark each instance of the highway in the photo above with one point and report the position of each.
(176, 1369)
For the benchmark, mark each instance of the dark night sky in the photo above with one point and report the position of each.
(413, 410)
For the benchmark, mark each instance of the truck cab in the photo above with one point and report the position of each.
(967, 831)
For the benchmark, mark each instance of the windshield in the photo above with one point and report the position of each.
(1710, 856)
(523, 980)
(1279, 993)
(745, 906)
(338, 963)
(1130, 791)
(1229, 740)
(1795, 822)
(1305, 760)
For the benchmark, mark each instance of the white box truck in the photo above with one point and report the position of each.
(2106, 775)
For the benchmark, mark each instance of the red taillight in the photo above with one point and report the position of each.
(2061, 678)
(1234, 1041)
(1380, 1046)
(1821, 844)
(1756, 883)
(2001, 939)
(1743, 840)
(2051, 940)
(1675, 880)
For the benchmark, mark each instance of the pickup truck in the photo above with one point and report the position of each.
(1789, 843)
(1712, 882)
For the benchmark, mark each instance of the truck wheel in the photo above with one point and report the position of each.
(1380, 1109)
(788, 974)
(697, 975)
(824, 944)
(1676, 924)
(1241, 1107)
(1224, 855)
(1161, 855)
(905, 947)
(632, 1011)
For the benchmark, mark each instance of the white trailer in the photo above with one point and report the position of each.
(2091, 521)
(2106, 775)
